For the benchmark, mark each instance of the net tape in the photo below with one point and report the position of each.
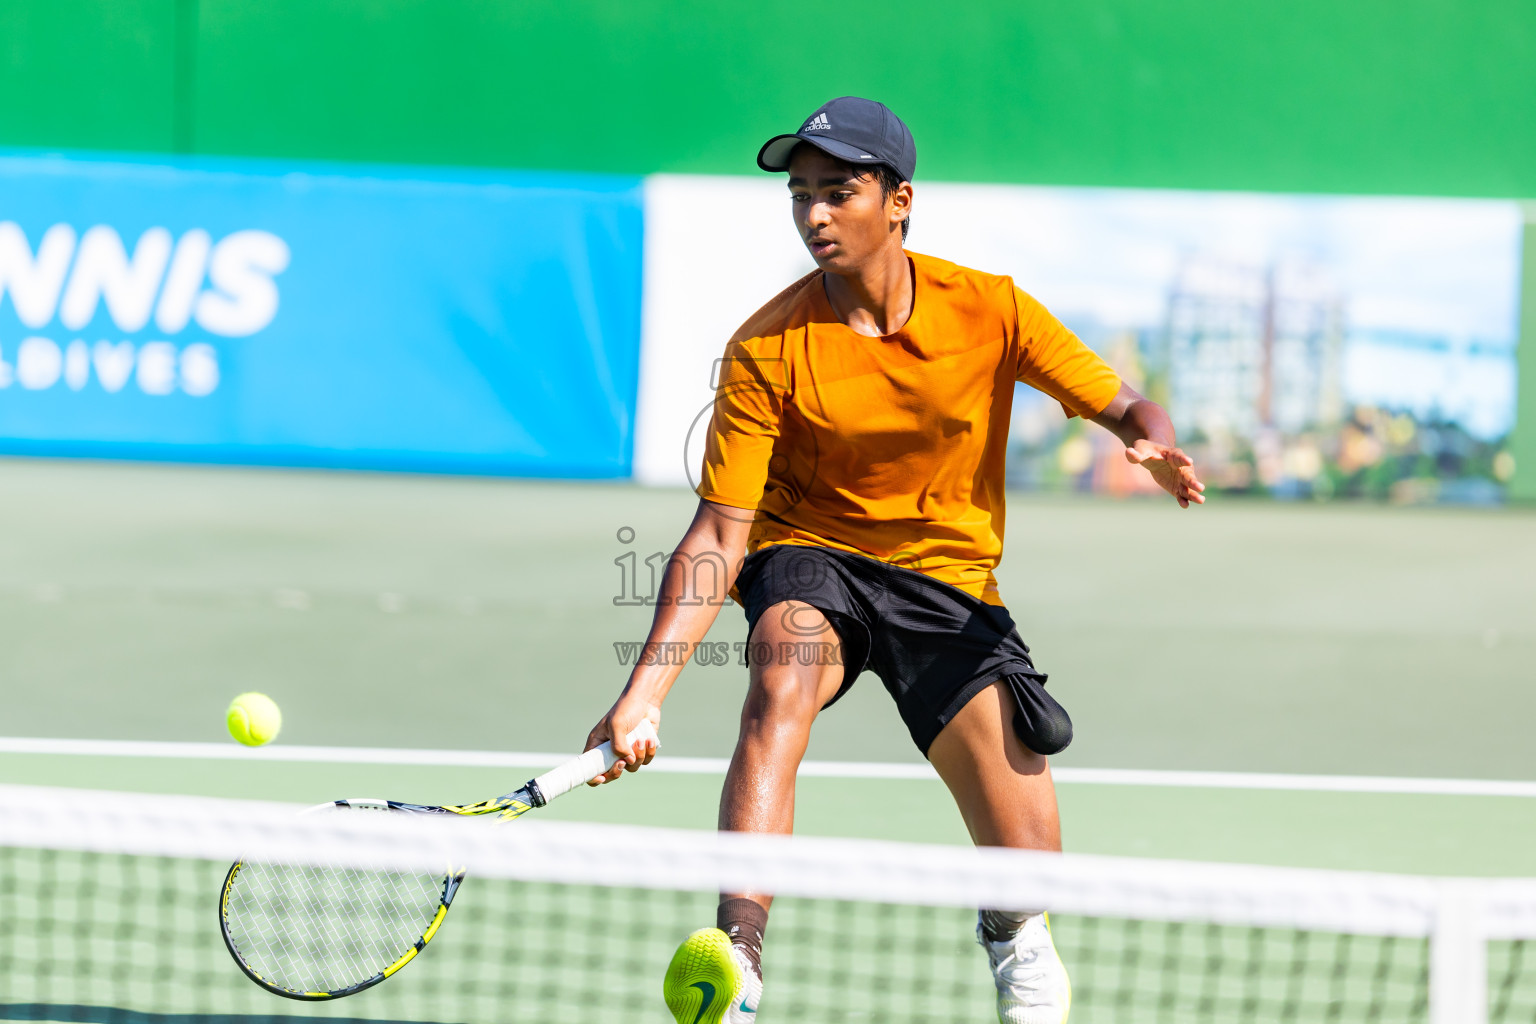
(1358, 903)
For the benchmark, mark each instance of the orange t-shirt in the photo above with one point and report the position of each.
(890, 447)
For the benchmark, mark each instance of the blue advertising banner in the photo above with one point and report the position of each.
(237, 312)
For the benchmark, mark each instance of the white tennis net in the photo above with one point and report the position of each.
(108, 916)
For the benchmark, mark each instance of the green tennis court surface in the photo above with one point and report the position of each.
(472, 614)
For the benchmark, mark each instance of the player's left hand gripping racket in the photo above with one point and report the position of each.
(309, 931)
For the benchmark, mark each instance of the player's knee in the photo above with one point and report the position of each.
(778, 694)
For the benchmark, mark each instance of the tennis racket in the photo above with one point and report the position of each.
(311, 931)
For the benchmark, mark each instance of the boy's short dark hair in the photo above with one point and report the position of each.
(889, 181)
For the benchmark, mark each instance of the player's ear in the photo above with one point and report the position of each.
(900, 203)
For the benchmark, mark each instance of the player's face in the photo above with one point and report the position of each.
(842, 218)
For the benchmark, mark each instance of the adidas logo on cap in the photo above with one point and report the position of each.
(817, 123)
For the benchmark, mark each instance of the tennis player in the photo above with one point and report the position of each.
(852, 495)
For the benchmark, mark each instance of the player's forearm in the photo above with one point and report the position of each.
(1146, 420)
(694, 587)
(1132, 418)
(681, 622)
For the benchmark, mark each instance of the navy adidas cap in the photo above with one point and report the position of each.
(855, 130)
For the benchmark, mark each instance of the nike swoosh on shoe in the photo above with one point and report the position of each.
(708, 992)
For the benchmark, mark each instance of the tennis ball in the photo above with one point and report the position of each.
(254, 719)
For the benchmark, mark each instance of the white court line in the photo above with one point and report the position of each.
(717, 766)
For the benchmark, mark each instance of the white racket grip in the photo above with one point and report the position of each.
(560, 781)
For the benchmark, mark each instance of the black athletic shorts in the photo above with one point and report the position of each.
(933, 645)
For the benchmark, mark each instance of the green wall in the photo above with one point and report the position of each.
(1428, 96)
(88, 74)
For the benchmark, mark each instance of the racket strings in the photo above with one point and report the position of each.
(308, 928)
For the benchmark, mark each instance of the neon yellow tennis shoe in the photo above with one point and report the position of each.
(710, 981)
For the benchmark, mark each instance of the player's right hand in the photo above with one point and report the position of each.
(1173, 470)
(627, 712)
